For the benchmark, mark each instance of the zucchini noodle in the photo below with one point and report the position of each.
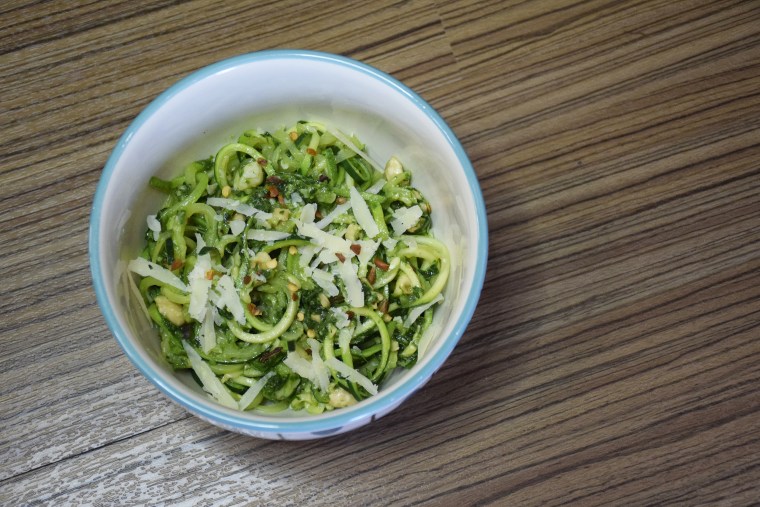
(290, 270)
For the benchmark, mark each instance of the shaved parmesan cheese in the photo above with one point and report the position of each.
(154, 225)
(321, 374)
(390, 243)
(199, 287)
(296, 198)
(325, 239)
(345, 140)
(235, 205)
(325, 281)
(335, 213)
(299, 365)
(307, 252)
(368, 250)
(208, 333)
(199, 243)
(327, 257)
(253, 391)
(264, 235)
(377, 186)
(144, 267)
(344, 339)
(351, 374)
(415, 312)
(404, 218)
(362, 213)
(211, 384)
(236, 227)
(228, 297)
(341, 318)
(354, 292)
(308, 212)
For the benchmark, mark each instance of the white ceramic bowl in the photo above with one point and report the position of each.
(193, 118)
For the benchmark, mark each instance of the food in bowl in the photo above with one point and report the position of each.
(291, 270)
(210, 108)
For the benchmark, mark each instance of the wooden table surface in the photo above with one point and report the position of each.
(614, 358)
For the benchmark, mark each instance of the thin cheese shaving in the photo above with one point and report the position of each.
(264, 235)
(335, 213)
(253, 391)
(235, 205)
(144, 267)
(351, 374)
(321, 374)
(236, 227)
(211, 384)
(363, 215)
(325, 281)
(228, 297)
(415, 312)
(404, 218)
(199, 286)
(208, 332)
(354, 292)
(154, 225)
(299, 365)
(325, 239)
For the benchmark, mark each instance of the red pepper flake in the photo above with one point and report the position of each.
(246, 279)
(294, 296)
(356, 248)
(381, 264)
(273, 192)
(323, 177)
(311, 151)
(210, 274)
(318, 214)
(372, 275)
(280, 199)
(383, 306)
(262, 161)
(341, 257)
(176, 264)
(350, 314)
(274, 179)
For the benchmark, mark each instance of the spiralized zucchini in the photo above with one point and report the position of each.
(291, 270)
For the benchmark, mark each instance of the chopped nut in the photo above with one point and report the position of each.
(372, 275)
(340, 199)
(271, 264)
(387, 317)
(300, 316)
(340, 398)
(210, 274)
(324, 300)
(292, 287)
(226, 191)
(293, 135)
(311, 333)
(292, 250)
(172, 311)
(316, 317)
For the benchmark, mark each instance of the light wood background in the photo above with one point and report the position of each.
(614, 358)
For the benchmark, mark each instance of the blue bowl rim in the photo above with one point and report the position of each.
(312, 424)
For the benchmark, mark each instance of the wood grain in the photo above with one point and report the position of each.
(614, 355)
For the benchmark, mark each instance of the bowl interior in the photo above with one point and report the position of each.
(193, 119)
